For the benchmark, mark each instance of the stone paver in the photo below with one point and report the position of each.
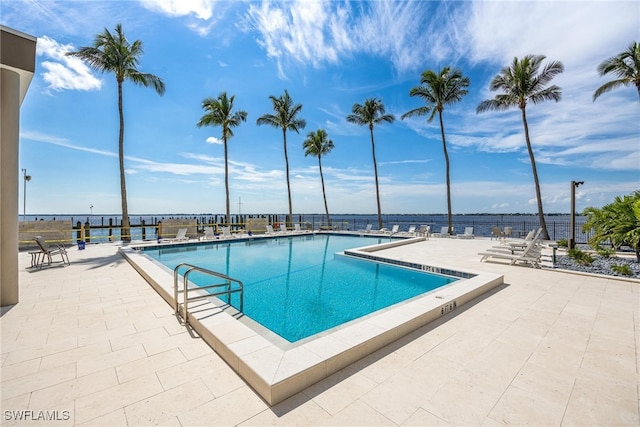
(93, 344)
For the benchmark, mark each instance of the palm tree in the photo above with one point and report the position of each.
(437, 90)
(319, 144)
(370, 113)
(284, 118)
(524, 82)
(114, 54)
(626, 66)
(218, 112)
(617, 223)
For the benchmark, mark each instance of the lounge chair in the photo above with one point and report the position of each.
(283, 229)
(424, 230)
(297, 228)
(412, 230)
(444, 232)
(367, 229)
(514, 243)
(209, 234)
(226, 233)
(468, 234)
(270, 229)
(181, 235)
(394, 230)
(530, 255)
(48, 253)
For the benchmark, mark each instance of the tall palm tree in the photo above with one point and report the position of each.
(445, 87)
(219, 112)
(524, 82)
(285, 117)
(319, 144)
(114, 54)
(625, 65)
(372, 112)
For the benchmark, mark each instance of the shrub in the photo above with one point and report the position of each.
(605, 252)
(563, 243)
(581, 257)
(622, 269)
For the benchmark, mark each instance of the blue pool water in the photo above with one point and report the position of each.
(301, 285)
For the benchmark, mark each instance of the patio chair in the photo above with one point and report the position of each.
(468, 234)
(496, 233)
(226, 233)
(529, 255)
(209, 234)
(394, 230)
(367, 229)
(270, 229)
(424, 230)
(48, 253)
(444, 232)
(181, 235)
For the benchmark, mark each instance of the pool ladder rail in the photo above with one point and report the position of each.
(226, 285)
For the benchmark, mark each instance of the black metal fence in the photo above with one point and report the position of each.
(146, 228)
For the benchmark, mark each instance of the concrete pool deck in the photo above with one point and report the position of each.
(93, 343)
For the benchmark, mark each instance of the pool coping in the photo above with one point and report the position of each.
(277, 373)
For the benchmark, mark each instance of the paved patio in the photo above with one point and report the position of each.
(93, 344)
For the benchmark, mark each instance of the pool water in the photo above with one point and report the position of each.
(299, 286)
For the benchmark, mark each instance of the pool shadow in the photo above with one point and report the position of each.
(322, 386)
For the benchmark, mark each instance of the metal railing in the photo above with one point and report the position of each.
(186, 289)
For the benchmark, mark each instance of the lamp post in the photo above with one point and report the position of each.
(91, 209)
(24, 194)
(572, 224)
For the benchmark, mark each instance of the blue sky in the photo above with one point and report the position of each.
(328, 55)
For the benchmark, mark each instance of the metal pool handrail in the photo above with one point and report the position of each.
(186, 288)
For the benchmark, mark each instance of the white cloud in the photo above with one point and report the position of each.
(201, 9)
(64, 72)
(213, 140)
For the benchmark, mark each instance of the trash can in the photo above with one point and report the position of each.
(81, 245)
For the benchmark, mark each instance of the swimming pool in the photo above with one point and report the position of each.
(299, 286)
(277, 369)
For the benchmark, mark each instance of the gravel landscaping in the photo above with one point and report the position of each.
(601, 265)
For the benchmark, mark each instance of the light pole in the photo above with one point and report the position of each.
(572, 224)
(24, 194)
(91, 208)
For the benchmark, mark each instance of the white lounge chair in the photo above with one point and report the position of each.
(424, 230)
(444, 232)
(226, 233)
(394, 230)
(270, 229)
(283, 229)
(296, 228)
(208, 233)
(367, 229)
(530, 255)
(181, 235)
(468, 234)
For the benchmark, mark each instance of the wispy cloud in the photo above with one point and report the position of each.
(325, 32)
(199, 14)
(64, 72)
(213, 140)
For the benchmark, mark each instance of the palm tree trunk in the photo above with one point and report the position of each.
(324, 195)
(286, 161)
(543, 223)
(125, 233)
(375, 172)
(226, 180)
(446, 161)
